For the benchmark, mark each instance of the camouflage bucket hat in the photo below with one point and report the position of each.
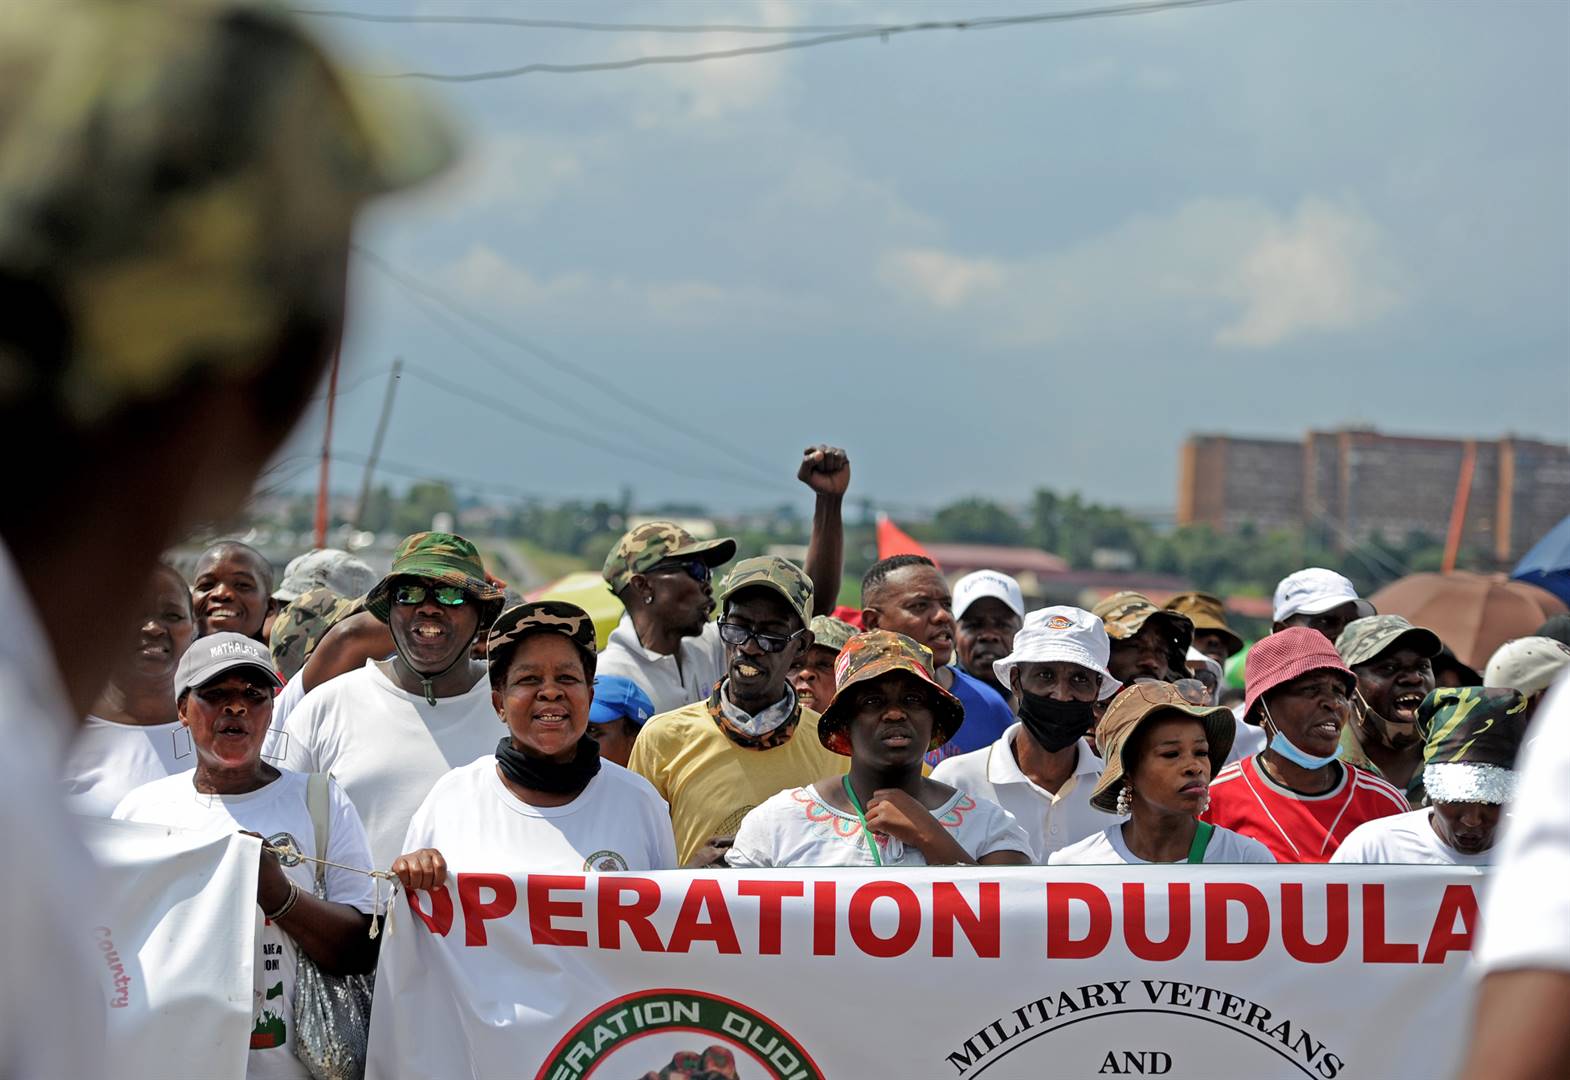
(1125, 614)
(1140, 704)
(1471, 738)
(540, 617)
(652, 543)
(781, 576)
(871, 655)
(831, 633)
(303, 623)
(445, 559)
(1367, 638)
(209, 157)
(1207, 612)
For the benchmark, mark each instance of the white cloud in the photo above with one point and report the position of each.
(1234, 272)
(514, 174)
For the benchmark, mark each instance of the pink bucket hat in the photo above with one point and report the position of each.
(1283, 656)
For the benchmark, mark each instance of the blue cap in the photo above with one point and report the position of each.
(616, 697)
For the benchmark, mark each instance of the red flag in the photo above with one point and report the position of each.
(892, 540)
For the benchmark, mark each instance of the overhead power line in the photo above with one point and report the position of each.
(611, 390)
(574, 24)
(883, 32)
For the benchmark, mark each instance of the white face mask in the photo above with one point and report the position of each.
(1290, 750)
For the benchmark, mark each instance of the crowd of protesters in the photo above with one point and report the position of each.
(173, 278)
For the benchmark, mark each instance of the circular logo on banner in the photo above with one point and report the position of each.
(688, 1033)
(605, 862)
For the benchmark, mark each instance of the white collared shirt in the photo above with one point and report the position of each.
(1051, 821)
(669, 688)
(52, 1021)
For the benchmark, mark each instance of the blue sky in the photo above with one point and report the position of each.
(985, 261)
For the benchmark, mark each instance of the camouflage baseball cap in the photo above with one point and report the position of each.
(444, 558)
(831, 633)
(871, 655)
(1471, 738)
(1207, 612)
(324, 568)
(1125, 614)
(539, 617)
(1365, 639)
(301, 624)
(781, 576)
(652, 543)
(182, 176)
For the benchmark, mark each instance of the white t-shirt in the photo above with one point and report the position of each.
(277, 811)
(618, 822)
(288, 699)
(107, 760)
(1108, 847)
(797, 828)
(1526, 910)
(1052, 821)
(1403, 838)
(702, 665)
(51, 1020)
(387, 747)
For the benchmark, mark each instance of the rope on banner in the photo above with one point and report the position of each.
(383, 914)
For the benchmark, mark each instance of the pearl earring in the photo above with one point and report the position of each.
(648, 599)
(1205, 803)
(1126, 799)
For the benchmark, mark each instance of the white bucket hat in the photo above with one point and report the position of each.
(981, 583)
(1067, 634)
(1315, 591)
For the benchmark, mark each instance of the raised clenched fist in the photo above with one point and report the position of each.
(715, 1063)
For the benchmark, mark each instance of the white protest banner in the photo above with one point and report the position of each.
(174, 926)
(1205, 973)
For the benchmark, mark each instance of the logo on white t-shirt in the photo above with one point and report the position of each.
(605, 862)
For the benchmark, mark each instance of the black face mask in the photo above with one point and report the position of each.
(1055, 724)
(543, 774)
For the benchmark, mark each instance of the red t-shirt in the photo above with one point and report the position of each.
(1295, 827)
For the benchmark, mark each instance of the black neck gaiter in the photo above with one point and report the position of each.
(543, 774)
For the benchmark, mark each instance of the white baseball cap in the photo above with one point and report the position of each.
(1315, 591)
(1069, 634)
(980, 583)
(1527, 664)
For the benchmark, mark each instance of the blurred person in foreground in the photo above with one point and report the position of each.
(812, 676)
(178, 186)
(134, 735)
(664, 578)
(1393, 662)
(1147, 642)
(1319, 599)
(888, 709)
(1473, 736)
(1161, 752)
(1042, 768)
(1518, 1024)
(714, 760)
(989, 609)
(1530, 665)
(1296, 796)
(908, 595)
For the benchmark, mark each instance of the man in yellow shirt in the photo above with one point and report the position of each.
(714, 760)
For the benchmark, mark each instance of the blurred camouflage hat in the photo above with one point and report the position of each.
(871, 655)
(540, 617)
(1365, 639)
(303, 623)
(324, 568)
(653, 542)
(782, 576)
(1125, 614)
(831, 633)
(1207, 612)
(1471, 738)
(182, 176)
(443, 558)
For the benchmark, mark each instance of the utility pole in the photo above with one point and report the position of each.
(376, 441)
(327, 445)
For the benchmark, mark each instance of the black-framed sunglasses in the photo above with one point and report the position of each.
(414, 593)
(736, 634)
(696, 569)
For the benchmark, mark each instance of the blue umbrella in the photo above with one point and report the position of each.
(1547, 565)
